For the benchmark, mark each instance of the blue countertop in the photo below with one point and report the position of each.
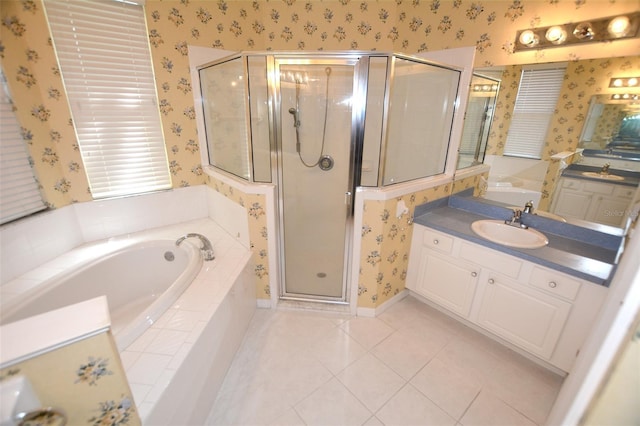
(581, 252)
(575, 171)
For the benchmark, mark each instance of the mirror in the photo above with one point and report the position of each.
(575, 116)
(612, 125)
(483, 93)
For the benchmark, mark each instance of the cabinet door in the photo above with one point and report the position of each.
(608, 210)
(522, 315)
(449, 283)
(572, 204)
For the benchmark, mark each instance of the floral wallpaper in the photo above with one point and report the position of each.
(85, 380)
(30, 66)
(255, 204)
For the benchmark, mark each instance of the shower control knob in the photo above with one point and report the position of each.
(326, 163)
(552, 284)
(474, 274)
(491, 281)
(436, 242)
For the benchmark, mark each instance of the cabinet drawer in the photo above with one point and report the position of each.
(437, 241)
(484, 256)
(571, 183)
(555, 283)
(598, 188)
(624, 191)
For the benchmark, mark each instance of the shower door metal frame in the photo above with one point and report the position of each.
(359, 62)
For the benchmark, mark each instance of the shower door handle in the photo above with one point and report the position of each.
(347, 198)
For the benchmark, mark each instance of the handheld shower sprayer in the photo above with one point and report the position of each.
(296, 124)
(296, 119)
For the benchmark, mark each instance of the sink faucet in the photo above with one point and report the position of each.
(528, 207)
(516, 219)
(206, 249)
(605, 169)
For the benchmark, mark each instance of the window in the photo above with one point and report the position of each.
(535, 105)
(19, 193)
(103, 52)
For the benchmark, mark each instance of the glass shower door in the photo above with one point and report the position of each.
(315, 175)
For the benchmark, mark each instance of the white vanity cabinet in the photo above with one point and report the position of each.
(600, 202)
(539, 310)
(448, 281)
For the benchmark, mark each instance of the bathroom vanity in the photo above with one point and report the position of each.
(542, 301)
(583, 192)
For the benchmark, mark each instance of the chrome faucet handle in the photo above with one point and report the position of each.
(528, 207)
(208, 255)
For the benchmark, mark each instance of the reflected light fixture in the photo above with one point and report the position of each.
(620, 82)
(625, 97)
(595, 30)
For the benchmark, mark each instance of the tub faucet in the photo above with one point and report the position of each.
(605, 169)
(206, 249)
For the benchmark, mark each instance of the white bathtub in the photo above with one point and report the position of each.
(512, 196)
(141, 281)
(177, 364)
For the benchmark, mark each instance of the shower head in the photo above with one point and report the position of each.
(327, 70)
(292, 111)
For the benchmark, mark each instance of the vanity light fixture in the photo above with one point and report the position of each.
(621, 82)
(595, 30)
(625, 97)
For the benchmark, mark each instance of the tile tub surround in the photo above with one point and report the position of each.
(582, 252)
(411, 365)
(197, 337)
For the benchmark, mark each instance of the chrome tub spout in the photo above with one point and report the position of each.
(206, 248)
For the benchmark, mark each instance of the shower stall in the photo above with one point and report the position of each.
(317, 126)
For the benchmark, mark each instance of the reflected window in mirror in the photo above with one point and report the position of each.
(477, 120)
(535, 106)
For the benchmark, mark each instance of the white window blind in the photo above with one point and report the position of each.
(535, 104)
(19, 193)
(104, 57)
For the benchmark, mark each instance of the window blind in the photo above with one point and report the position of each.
(19, 192)
(535, 105)
(104, 58)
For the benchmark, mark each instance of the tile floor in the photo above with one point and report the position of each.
(411, 365)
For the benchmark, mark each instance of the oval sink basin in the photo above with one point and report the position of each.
(499, 232)
(602, 176)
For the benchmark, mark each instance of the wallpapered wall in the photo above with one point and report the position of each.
(406, 26)
(583, 79)
(86, 380)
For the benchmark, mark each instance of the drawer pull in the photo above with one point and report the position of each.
(474, 274)
(553, 284)
(491, 281)
(435, 241)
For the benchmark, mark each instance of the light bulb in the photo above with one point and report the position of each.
(617, 82)
(529, 38)
(556, 35)
(632, 82)
(619, 26)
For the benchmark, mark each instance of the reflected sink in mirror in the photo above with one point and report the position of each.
(512, 236)
(602, 176)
